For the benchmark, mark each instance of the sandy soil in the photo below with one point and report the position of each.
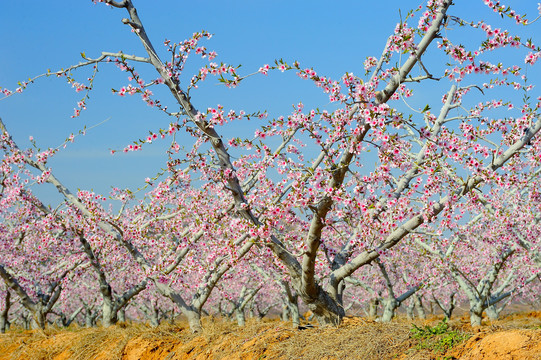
(517, 336)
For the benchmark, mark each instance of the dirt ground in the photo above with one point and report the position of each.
(517, 336)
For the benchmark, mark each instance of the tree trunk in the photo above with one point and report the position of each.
(4, 323)
(409, 310)
(241, 318)
(492, 313)
(476, 313)
(122, 314)
(284, 316)
(38, 319)
(418, 303)
(447, 311)
(295, 315)
(251, 310)
(373, 308)
(194, 320)
(475, 319)
(293, 306)
(154, 317)
(389, 309)
(327, 311)
(109, 315)
(89, 319)
(26, 319)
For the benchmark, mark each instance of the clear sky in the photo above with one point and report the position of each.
(334, 37)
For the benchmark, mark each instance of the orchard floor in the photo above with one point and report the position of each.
(517, 336)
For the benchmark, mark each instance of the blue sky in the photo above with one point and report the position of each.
(333, 37)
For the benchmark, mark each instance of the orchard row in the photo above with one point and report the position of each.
(366, 203)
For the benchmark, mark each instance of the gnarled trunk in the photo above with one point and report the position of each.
(194, 320)
(109, 313)
(39, 318)
(327, 311)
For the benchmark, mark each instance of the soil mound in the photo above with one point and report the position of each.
(503, 345)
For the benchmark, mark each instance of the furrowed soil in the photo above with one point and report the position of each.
(516, 336)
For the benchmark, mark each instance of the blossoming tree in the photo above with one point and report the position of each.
(324, 192)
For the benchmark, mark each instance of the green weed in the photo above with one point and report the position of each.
(439, 338)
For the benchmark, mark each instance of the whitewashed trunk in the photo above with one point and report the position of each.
(492, 313)
(194, 320)
(154, 317)
(241, 318)
(295, 315)
(284, 315)
(409, 310)
(373, 308)
(476, 313)
(389, 310)
(122, 315)
(419, 306)
(109, 316)
(89, 319)
(38, 319)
